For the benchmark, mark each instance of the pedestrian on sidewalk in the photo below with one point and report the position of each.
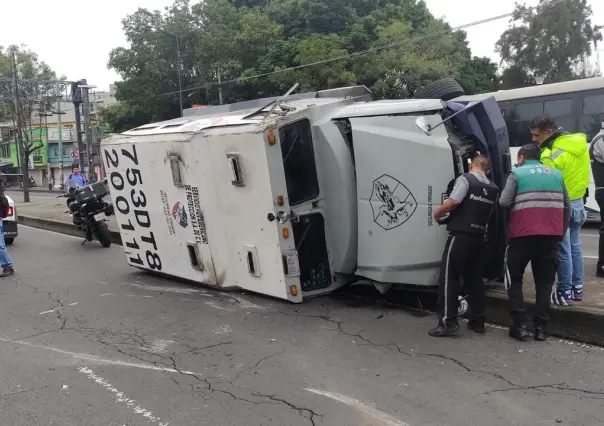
(469, 205)
(76, 176)
(540, 212)
(596, 151)
(568, 153)
(5, 261)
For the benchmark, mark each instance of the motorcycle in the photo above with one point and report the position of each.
(88, 209)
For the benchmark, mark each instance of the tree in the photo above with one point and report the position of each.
(392, 46)
(551, 40)
(31, 93)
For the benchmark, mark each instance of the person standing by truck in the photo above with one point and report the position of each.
(596, 152)
(568, 153)
(539, 217)
(469, 205)
(5, 261)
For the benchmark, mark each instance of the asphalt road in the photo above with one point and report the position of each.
(86, 340)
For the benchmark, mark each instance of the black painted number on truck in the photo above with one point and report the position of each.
(132, 201)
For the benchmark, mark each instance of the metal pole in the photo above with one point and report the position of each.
(79, 145)
(179, 76)
(87, 130)
(60, 128)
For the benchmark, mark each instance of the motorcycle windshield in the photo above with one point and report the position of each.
(72, 186)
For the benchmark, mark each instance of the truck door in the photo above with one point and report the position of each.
(299, 185)
(402, 175)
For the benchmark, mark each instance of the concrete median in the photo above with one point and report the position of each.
(61, 227)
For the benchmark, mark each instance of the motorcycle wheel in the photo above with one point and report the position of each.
(102, 233)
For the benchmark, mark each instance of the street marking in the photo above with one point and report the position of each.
(98, 360)
(114, 245)
(47, 312)
(179, 290)
(107, 294)
(223, 329)
(121, 398)
(383, 418)
(73, 304)
(220, 308)
(591, 235)
(245, 303)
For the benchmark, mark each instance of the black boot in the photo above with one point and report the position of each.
(519, 332)
(477, 326)
(540, 335)
(445, 330)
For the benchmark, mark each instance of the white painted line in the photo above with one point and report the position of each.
(245, 303)
(64, 235)
(73, 304)
(220, 308)
(179, 290)
(98, 360)
(47, 312)
(591, 235)
(590, 257)
(107, 294)
(383, 418)
(223, 329)
(121, 398)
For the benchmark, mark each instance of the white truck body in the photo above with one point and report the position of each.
(290, 204)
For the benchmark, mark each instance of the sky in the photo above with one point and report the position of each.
(49, 29)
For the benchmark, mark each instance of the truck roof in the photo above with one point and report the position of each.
(192, 124)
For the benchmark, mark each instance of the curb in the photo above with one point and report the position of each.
(60, 227)
(575, 323)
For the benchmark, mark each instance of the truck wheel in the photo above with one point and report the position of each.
(103, 234)
(9, 241)
(445, 89)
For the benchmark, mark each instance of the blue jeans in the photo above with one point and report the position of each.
(5, 261)
(570, 253)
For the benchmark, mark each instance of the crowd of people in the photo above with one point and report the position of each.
(545, 196)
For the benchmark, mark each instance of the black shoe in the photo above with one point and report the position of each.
(540, 335)
(444, 330)
(600, 271)
(7, 272)
(519, 333)
(477, 326)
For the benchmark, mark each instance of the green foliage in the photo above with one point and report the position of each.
(405, 48)
(552, 40)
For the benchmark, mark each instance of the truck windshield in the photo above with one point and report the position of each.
(299, 162)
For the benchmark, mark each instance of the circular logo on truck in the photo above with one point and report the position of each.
(179, 213)
(392, 203)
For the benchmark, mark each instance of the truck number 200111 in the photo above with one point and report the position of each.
(132, 199)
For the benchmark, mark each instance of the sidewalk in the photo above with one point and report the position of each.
(584, 321)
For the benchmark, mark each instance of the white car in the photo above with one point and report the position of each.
(9, 223)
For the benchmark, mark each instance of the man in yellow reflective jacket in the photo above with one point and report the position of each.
(568, 153)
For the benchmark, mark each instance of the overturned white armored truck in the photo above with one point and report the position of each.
(295, 196)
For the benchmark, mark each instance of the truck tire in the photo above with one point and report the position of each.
(9, 241)
(103, 234)
(445, 89)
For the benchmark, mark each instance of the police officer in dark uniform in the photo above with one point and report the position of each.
(467, 212)
(596, 152)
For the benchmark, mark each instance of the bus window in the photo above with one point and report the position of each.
(299, 162)
(559, 108)
(593, 112)
(527, 112)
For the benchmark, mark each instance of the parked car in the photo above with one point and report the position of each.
(9, 225)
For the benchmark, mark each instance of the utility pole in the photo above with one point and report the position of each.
(87, 128)
(60, 129)
(76, 94)
(219, 87)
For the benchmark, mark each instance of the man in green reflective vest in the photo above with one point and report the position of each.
(568, 153)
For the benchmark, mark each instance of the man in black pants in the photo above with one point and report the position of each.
(539, 217)
(469, 205)
(596, 152)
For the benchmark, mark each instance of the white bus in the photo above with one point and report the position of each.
(577, 106)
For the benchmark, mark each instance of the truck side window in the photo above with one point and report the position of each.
(299, 162)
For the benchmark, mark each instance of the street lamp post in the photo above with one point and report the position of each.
(178, 65)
